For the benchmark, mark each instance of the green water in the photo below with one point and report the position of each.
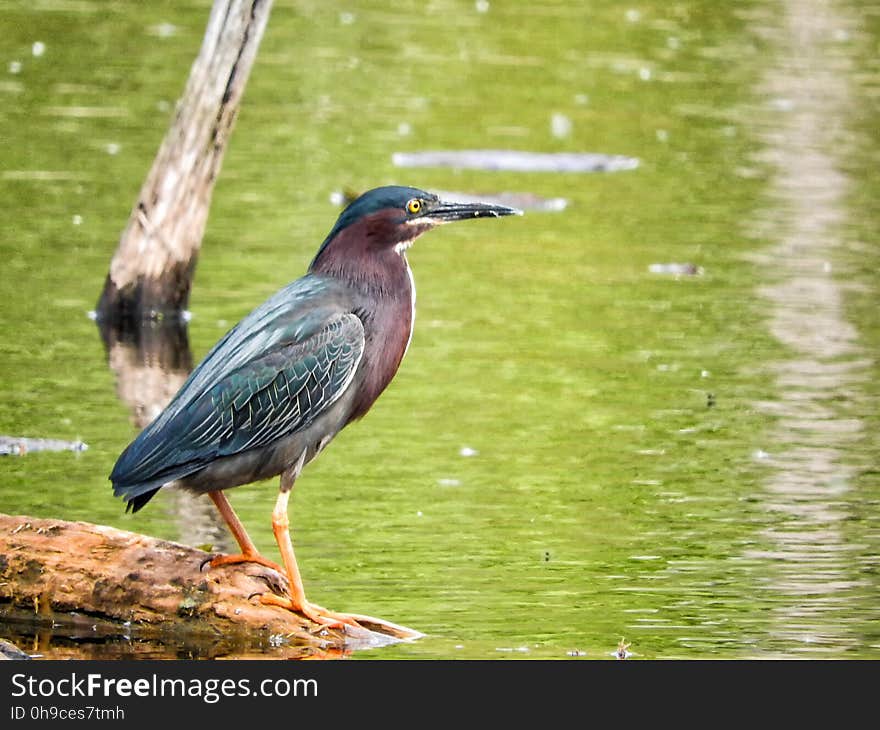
(687, 462)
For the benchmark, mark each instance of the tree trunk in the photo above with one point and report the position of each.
(151, 272)
(76, 572)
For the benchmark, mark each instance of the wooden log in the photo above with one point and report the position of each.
(151, 272)
(156, 588)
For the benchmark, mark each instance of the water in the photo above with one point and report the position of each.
(584, 442)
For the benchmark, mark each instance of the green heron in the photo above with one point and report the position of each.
(270, 395)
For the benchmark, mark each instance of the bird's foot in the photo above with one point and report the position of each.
(336, 620)
(218, 560)
(311, 611)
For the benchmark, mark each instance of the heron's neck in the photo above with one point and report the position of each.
(388, 316)
(367, 258)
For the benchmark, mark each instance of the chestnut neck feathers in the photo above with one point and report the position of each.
(369, 254)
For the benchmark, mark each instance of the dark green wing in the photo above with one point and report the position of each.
(277, 394)
(249, 392)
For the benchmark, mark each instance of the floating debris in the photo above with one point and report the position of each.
(622, 647)
(163, 30)
(516, 161)
(560, 125)
(676, 269)
(19, 446)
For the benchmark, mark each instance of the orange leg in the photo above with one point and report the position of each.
(297, 598)
(249, 552)
(296, 601)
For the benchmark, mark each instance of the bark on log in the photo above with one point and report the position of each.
(151, 272)
(156, 589)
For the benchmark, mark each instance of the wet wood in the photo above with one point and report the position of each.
(151, 272)
(56, 569)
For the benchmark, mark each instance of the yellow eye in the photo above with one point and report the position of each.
(414, 206)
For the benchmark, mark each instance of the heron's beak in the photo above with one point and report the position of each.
(445, 211)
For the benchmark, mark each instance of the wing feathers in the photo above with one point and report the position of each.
(269, 396)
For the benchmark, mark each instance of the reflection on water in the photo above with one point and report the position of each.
(810, 559)
(150, 361)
